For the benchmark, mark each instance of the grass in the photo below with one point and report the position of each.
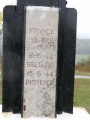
(78, 72)
(83, 67)
(82, 93)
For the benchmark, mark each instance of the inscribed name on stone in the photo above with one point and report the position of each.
(40, 65)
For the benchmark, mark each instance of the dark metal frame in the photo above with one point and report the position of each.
(13, 30)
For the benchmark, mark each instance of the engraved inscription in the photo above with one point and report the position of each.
(40, 65)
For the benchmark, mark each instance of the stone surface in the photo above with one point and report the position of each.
(40, 65)
(79, 114)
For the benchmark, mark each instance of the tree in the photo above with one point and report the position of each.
(1, 19)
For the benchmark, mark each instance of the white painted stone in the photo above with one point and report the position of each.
(40, 64)
(78, 114)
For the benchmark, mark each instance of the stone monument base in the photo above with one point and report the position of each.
(79, 114)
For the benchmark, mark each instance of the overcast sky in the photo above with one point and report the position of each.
(83, 21)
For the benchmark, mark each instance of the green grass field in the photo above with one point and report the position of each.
(81, 93)
(77, 72)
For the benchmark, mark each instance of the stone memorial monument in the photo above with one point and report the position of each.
(39, 40)
(40, 65)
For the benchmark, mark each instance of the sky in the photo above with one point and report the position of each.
(83, 19)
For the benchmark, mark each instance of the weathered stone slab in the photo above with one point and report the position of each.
(40, 65)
